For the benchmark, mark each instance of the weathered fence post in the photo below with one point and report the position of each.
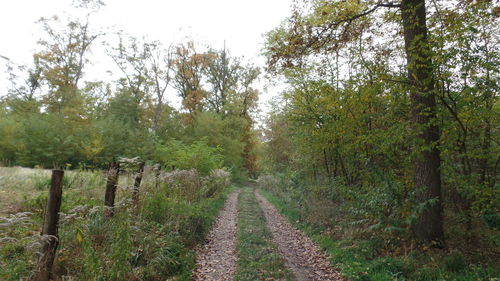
(49, 233)
(157, 169)
(137, 183)
(111, 184)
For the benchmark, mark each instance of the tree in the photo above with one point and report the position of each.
(189, 66)
(161, 72)
(131, 57)
(62, 61)
(48, 142)
(277, 141)
(332, 25)
(248, 98)
(9, 142)
(25, 86)
(222, 73)
(429, 224)
(198, 155)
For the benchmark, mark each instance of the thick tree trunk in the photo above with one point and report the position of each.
(427, 179)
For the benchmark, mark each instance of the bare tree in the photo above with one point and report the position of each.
(161, 62)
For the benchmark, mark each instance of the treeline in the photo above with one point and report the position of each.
(391, 118)
(53, 115)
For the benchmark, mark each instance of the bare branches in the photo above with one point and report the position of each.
(131, 58)
(161, 63)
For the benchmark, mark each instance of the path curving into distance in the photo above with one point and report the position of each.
(217, 259)
(302, 256)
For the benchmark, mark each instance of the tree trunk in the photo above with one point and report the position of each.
(157, 117)
(427, 179)
(325, 162)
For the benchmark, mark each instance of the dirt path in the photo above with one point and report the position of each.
(259, 257)
(217, 259)
(302, 256)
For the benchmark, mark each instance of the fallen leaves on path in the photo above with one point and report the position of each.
(217, 259)
(302, 256)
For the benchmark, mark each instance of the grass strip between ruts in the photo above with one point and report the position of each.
(259, 258)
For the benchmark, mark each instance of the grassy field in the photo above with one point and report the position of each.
(21, 187)
(152, 241)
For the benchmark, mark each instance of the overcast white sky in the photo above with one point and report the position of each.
(240, 23)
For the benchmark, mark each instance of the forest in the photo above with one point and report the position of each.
(378, 160)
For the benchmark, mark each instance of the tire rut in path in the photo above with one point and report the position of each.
(216, 260)
(302, 256)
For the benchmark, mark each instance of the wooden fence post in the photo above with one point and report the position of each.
(111, 184)
(157, 169)
(137, 183)
(50, 227)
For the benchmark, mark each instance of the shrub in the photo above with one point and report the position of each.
(156, 208)
(184, 183)
(216, 182)
(454, 262)
(268, 182)
(198, 155)
(492, 218)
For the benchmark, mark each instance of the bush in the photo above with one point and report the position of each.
(183, 183)
(268, 182)
(454, 262)
(216, 182)
(492, 218)
(198, 155)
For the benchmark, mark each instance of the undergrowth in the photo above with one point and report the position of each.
(367, 258)
(153, 241)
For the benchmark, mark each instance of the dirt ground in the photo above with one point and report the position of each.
(217, 259)
(302, 256)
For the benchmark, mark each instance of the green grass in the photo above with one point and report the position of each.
(259, 258)
(360, 259)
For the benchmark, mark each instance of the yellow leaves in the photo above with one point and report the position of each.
(337, 10)
(353, 7)
(79, 236)
(92, 148)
